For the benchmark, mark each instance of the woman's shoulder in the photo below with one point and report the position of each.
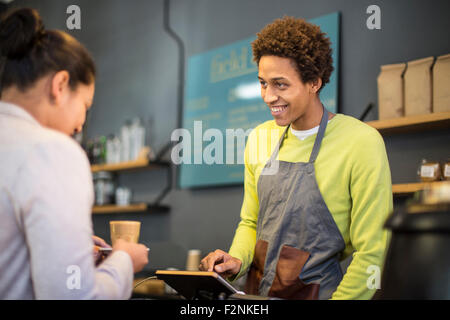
(34, 151)
(46, 137)
(50, 144)
(22, 134)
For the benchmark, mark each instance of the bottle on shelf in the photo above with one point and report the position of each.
(125, 133)
(97, 150)
(113, 147)
(137, 138)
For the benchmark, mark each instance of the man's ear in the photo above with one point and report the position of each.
(315, 85)
(58, 87)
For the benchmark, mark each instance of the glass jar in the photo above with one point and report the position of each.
(430, 171)
(123, 196)
(104, 188)
(446, 170)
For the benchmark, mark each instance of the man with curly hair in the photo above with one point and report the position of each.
(330, 193)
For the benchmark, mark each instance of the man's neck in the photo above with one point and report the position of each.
(311, 118)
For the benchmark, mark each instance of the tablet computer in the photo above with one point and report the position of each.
(201, 285)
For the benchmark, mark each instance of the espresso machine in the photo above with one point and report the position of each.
(417, 263)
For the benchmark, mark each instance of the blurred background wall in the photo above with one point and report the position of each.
(137, 65)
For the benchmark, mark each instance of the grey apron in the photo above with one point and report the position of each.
(298, 243)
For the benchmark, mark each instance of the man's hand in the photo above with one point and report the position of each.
(222, 263)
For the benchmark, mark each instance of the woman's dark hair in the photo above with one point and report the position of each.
(303, 42)
(29, 52)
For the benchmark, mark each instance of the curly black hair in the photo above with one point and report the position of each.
(301, 41)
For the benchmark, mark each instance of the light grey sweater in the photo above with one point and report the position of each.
(46, 197)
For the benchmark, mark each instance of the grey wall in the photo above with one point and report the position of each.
(137, 76)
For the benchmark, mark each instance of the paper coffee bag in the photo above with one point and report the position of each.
(418, 87)
(391, 91)
(441, 84)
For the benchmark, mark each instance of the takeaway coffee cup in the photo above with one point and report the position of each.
(193, 260)
(125, 229)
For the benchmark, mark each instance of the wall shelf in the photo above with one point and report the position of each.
(412, 123)
(141, 163)
(130, 165)
(138, 207)
(409, 188)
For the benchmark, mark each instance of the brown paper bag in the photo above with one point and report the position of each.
(390, 91)
(418, 87)
(441, 84)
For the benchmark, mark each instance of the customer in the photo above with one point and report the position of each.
(330, 193)
(46, 194)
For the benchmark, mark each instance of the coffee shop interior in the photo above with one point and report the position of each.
(145, 53)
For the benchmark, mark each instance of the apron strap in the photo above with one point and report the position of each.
(319, 137)
(278, 146)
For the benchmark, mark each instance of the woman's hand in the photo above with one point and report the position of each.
(98, 255)
(137, 252)
(100, 242)
(222, 263)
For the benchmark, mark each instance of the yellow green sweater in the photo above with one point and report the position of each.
(353, 176)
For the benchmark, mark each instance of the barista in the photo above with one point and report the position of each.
(320, 194)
